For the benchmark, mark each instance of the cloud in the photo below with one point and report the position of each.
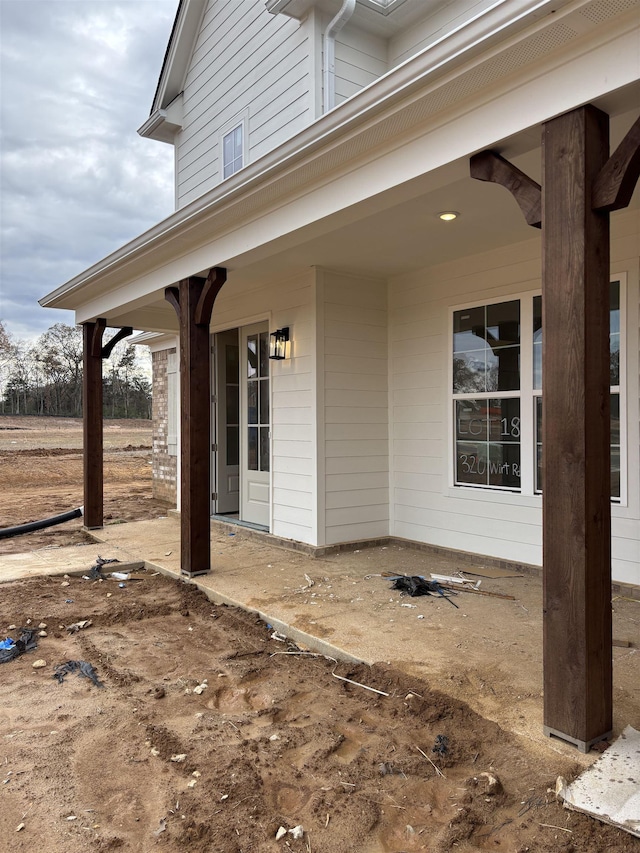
(78, 78)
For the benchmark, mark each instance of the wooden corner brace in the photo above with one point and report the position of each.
(216, 278)
(616, 181)
(124, 332)
(489, 166)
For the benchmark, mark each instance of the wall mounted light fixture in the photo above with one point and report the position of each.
(279, 344)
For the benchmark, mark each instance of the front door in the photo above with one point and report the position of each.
(255, 425)
(226, 423)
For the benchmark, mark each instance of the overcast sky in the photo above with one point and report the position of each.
(76, 181)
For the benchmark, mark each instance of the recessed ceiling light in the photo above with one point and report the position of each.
(448, 215)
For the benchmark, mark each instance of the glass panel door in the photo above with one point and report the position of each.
(226, 423)
(256, 426)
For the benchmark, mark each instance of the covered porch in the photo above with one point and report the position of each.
(383, 246)
(339, 605)
(356, 198)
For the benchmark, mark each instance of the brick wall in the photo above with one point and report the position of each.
(164, 464)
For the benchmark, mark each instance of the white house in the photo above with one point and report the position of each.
(320, 147)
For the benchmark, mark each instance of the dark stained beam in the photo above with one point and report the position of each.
(92, 422)
(618, 177)
(576, 427)
(193, 300)
(489, 166)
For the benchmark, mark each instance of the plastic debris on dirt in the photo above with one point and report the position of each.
(95, 572)
(82, 667)
(441, 746)
(415, 585)
(26, 642)
(79, 626)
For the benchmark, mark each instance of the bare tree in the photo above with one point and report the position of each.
(7, 356)
(60, 354)
(46, 378)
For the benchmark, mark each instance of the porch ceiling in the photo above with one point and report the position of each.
(395, 232)
(403, 233)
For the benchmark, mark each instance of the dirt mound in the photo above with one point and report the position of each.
(211, 735)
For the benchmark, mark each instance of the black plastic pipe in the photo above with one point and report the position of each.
(7, 532)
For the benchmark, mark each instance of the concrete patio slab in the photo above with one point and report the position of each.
(60, 561)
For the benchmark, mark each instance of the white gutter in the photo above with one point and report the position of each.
(348, 8)
(155, 120)
(396, 86)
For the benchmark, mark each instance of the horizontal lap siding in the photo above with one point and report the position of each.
(355, 439)
(625, 255)
(424, 506)
(287, 302)
(361, 58)
(445, 18)
(246, 64)
(293, 430)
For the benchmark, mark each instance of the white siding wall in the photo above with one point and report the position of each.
(446, 18)
(246, 64)
(360, 59)
(625, 523)
(289, 302)
(425, 506)
(353, 315)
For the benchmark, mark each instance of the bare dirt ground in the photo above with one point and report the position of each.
(41, 476)
(270, 738)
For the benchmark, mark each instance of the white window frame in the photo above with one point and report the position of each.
(527, 395)
(238, 122)
(623, 500)
(173, 402)
(523, 394)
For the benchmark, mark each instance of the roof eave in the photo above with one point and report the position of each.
(178, 53)
(386, 94)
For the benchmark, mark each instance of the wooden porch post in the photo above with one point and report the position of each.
(193, 300)
(92, 422)
(93, 354)
(576, 429)
(581, 187)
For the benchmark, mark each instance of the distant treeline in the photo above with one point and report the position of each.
(45, 377)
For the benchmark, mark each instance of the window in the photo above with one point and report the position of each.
(173, 402)
(232, 151)
(258, 401)
(614, 372)
(497, 395)
(486, 389)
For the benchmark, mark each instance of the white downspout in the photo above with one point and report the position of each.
(347, 10)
